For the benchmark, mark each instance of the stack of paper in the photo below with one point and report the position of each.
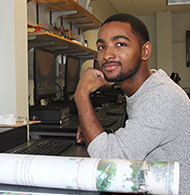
(7, 120)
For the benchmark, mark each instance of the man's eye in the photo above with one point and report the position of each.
(101, 47)
(121, 44)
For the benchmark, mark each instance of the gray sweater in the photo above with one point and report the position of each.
(158, 128)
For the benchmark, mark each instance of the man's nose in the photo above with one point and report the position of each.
(109, 53)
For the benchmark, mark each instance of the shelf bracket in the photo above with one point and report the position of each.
(54, 48)
(75, 26)
(43, 6)
(89, 28)
(79, 54)
(86, 58)
(70, 20)
(66, 51)
(41, 43)
(56, 15)
(71, 51)
(89, 56)
(31, 37)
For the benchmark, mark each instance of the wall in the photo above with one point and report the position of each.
(101, 13)
(177, 50)
(150, 22)
(180, 24)
(13, 58)
(164, 41)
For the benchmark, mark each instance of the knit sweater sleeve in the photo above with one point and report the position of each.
(155, 120)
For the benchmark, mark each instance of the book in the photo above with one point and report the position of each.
(90, 174)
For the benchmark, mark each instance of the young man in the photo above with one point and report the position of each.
(158, 128)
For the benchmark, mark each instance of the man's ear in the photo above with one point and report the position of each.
(146, 50)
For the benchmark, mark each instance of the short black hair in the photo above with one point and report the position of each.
(139, 29)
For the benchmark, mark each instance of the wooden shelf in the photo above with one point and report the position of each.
(59, 44)
(71, 12)
(82, 18)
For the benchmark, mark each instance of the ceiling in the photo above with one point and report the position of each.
(147, 7)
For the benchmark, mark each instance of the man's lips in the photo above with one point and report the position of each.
(110, 66)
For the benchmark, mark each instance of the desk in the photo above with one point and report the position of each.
(69, 129)
(77, 150)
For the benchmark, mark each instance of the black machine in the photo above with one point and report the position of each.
(56, 112)
(72, 71)
(50, 114)
(45, 88)
(44, 75)
(175, 77)
(12, 137)
(72, 75)
(188, 48)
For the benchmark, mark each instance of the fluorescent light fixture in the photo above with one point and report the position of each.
(177, 2)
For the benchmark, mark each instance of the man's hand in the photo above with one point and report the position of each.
(90, 81)
(79, 136)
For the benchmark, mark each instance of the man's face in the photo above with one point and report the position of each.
(119, 53)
